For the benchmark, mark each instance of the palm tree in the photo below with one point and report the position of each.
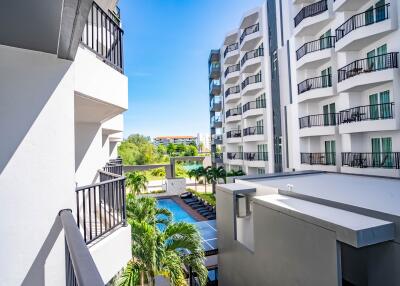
(214, 174)
(160, 250)
(234, 173)
(201, 172)
(136, 182)
(192, 173)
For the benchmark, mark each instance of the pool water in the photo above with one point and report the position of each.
(179, 214)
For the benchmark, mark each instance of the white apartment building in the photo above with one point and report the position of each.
(62, 96)
(165, 140)
(312, 85)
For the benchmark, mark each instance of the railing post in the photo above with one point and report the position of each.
(124, 223)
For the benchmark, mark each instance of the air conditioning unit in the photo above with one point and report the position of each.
(242, 206)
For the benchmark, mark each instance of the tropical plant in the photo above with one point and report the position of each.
(136, 182)
(160, 246)
(202, 172)
(192, 174)
(214, 174)
(234, 173)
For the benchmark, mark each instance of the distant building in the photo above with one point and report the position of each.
(205, 140)
(165, 140)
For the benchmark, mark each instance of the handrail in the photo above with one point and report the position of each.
(327, 119)
(232, 90)
(256, 156)
(367, 112)
(80, 267)
(314, 83)
(386, 160)
(362, 19)
(235, 155)
(233, 112)
(254, 130)
(249, 30)
(103, 36)
(316, 45)
(231, 48)
(232, 68)
(321, 158)
(366, 65)
(310, 10)
(235, 133)
(252, 79)
(259, 52)
(256, 104)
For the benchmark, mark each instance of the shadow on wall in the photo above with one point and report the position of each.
(36, 273)
(27, 81)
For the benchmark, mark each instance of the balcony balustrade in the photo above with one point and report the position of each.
(231, 48)
(251, 80)
(236, 133)
(327, 158)
(367, 112)
(249, 30)
(328, 119)
(235, 155)
(314, 83)
(234, 112)
(386, 160)
(232, 90)
(255, 130)
(363, 19)
(232, 69)
(259, 52)
(367, 65)
(310, 11)
(314, 46)
(257, 104)
(256, 156)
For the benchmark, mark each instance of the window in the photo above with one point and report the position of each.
(380, 52)
(329, 114)
(274, 63)
(324, 41)
(260, 126)
(330, 152)
(382, 152)
(380, 107)
(371, 60)
(369, 16)
(326, 78)
(260, 171)
(260, 101)
(262, 151)
(380, 11)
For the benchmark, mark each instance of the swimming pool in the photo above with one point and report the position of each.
(179, 214)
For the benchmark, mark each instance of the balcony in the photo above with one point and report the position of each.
(327, 158)
(253, 133)
(318, 124)
(216, 122)
(215, 70)
(311, 18)
(367, 73)
(234, 114)
(316, 87)
(253, 108)
(215, 87)
(232, 94)
(251, 60)
(367, 118)
(216, 139)
(217, 158)
(384, 160)
(250, 37)
(235, 155)
(232, 74)
(252, 84)
(361, 29)
(103, 36)
(214, 56)
(315, 53)
(256, 156)
(215, 104)
(234, 136)
(231, 53)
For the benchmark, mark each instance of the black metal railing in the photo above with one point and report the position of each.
(326, 158)
(103, 36)
(251, 79)
(256, 156)
(259, 52)
(314, 46)
(254, 105)
(231, 69)
(113, 168)
(215, 120)
(328, 119)
(101, 206)
(254, 130)
(371, 64)
(231, 48)
(249, 30)
(235, 133)
(363, 19)
(235, 155)
(216, 138)
(234, 112)
(117, 161)
(367, 112)
(80, 268)
(310, 10)
(314, 83)
(388, 160)
(232, 90)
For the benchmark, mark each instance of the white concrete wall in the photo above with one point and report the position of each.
(36, 164)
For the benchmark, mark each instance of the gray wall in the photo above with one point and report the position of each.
(287, 251)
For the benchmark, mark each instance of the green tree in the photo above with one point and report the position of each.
(136, 182)
(137, 150)
(160, 250)
(180, 148)
(214, 174)
(201, 172)
(191, 151)
(171, 149)
(234, 173)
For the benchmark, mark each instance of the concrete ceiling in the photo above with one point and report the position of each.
(50, 26)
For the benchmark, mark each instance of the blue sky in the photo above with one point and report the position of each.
(166, 46)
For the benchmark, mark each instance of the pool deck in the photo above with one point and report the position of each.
(187, 208)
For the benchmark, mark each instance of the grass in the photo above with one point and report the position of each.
(209, 198)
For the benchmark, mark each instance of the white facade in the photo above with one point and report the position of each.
(247, 113)
(338, 80)
(61, 122)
